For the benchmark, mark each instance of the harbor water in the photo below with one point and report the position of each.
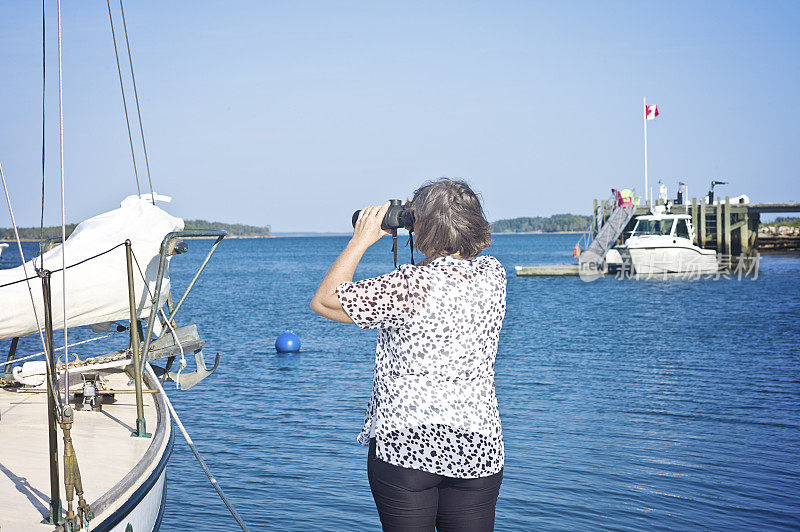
(626, 405)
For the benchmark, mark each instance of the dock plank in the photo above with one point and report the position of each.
(552, 270)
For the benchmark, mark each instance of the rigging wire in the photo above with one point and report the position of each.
(174, 414)
(124, 103)
(82, 342)
(50, 377)
(136, 96)
(196, 453)
(63, 214)
(87, 259)
(44, 79)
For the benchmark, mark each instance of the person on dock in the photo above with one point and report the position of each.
(432, 424)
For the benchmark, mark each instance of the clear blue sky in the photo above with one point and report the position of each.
(296, 113)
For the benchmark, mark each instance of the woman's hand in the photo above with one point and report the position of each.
(368, 226)
(366, 232)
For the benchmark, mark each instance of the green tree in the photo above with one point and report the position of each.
(551, 224)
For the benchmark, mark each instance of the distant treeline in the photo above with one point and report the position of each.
(232, 229)
(552, 224)
(34, 233)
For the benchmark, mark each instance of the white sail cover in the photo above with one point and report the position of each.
(97, 290)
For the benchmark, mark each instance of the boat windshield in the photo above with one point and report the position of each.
(653, 227)
(682, 230)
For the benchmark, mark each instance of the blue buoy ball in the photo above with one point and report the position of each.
(287, 342)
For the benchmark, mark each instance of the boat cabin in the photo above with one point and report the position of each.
(670, 225)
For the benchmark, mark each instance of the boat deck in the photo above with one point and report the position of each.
(105, 450)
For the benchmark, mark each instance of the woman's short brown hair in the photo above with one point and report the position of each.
(449, 220)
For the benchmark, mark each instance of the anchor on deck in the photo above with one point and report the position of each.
(188, 342)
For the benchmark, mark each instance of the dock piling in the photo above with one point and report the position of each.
(744, 236)
(726, 227)
(701, 228)
(718, 225)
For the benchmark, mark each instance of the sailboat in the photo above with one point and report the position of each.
(3, 246)
(85, 440)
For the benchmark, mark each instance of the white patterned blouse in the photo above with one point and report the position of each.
(433, 405)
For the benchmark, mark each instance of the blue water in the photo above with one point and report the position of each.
(626, 405)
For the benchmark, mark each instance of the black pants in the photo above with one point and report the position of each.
(413, 500)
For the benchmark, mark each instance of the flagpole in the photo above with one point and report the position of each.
(644, 117)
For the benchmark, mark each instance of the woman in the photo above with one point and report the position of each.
(432, 424)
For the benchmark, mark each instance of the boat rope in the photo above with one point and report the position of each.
(30, 290)
(174, 414)
(181, 368)
(40, 353)
(124, 103)
(28, 357)
(63, 213)
(196, 453)
(44, 86)
(72, 475)
(180, 346)
(68, 267)
(136, 97)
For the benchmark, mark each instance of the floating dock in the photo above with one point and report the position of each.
(731, 228)
(553, 270)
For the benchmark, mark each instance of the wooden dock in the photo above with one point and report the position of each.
(728, 227)
(552, 270)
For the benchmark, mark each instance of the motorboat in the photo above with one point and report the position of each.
(663, 243)
(3, 246)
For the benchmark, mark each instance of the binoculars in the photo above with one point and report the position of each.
(396, 217)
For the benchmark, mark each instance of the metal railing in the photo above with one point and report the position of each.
(156, 295)
(596, 223)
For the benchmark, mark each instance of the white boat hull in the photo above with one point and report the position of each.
(664, 244)
(143, 511)
(144, 490)
(661, 260)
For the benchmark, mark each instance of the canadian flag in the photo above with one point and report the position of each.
(650, 112)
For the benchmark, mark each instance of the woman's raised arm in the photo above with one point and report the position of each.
(366, 232)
